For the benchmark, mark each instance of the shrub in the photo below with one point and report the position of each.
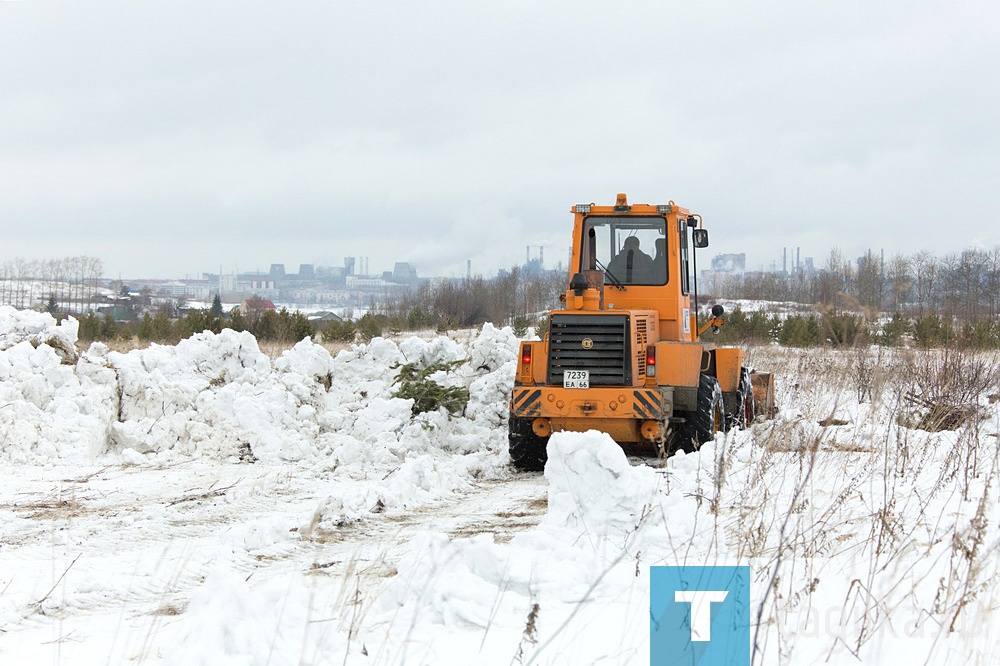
(444, 325)
(369, 326)
(341, 331)
(90, 327)
(844, 330)
(946, 387)
(893, 331)
(418, 318)
(266, 327)
(163, 329)
(932, 330)
(237, 321)
(145, 331)
(757, 326)
(109, 328)
(520, 326)
(542, 327)
(195, 321)
(397, 323)
(296, 326)
(427, 395)
(799, 331)
(981, 334)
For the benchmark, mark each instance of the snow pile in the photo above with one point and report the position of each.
(211, 395)
(593, 489)
(789, 430)
(224, 619)
(38, 328)
(494, 355)
(219, 397)
(458, 601)
(49, 407)
(606, 521)
(415, 458)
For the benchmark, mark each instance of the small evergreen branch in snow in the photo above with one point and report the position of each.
(415, 383)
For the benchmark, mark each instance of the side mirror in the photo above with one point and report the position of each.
(578, 284)
(700, 237)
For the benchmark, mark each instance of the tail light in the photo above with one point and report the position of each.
(651, 360)
(526, 359)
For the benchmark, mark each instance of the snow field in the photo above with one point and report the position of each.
(199, 504)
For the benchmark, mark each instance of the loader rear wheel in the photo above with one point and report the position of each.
(708, 419)
(744, 414)
(527, 450)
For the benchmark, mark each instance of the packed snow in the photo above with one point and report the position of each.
(204, 504)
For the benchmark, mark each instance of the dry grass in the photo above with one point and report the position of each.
(171, 609)
(53, 509)
(877, 509)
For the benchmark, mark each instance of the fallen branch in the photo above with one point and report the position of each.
(912, 397)
(205, 495)
(39, 602)
(88, 477)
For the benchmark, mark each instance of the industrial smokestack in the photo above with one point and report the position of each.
(541, 256)
(784, 260)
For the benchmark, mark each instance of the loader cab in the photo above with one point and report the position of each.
(638, 257)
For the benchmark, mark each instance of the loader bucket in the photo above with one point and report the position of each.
(763, 394)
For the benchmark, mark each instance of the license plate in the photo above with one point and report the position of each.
(576, 379)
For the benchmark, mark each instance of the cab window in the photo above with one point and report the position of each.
(630, 250)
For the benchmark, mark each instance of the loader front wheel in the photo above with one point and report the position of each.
(527, 450)
(708, 419)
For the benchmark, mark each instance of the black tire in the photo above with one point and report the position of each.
(527, 450)
(744, 414)
(708, 419)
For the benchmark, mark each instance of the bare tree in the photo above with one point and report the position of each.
(925, 270)
(869, 281)
(901, 280)
(993, 282)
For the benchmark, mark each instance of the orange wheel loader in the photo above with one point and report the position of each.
(623, 355)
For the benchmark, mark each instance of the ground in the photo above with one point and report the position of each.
(205, 504)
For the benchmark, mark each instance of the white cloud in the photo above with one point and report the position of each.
(312, 129)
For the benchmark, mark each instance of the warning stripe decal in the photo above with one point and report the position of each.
(647, 405)
(526, 402)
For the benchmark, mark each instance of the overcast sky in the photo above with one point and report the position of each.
(173, 138)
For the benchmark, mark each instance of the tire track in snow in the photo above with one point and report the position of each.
(146, 538)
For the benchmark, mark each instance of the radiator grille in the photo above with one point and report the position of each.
(607, 359)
